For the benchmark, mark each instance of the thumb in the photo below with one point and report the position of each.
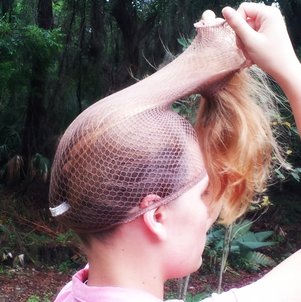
(242, 29)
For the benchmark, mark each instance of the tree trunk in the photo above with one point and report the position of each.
(35, 112)
(45, 14)
(96, 47)
(126, 17)
(133, 33)
(80, 56)
(97, 28)
(7, 8)
(57, 91)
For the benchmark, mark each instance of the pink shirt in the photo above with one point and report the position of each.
(77, 291)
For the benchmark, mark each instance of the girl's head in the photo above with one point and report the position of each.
(106, 163)
(129, 146)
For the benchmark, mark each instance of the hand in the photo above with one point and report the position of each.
(263, 37)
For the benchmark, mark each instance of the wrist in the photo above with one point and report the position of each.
(288, 75)
(289, 81)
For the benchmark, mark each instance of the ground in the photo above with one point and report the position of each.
(21, 284)
(30, 284)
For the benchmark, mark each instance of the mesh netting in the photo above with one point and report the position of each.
(131, 144)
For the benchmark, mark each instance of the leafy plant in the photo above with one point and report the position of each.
(196, 298)
(244, 242)
(187, 107)
(13, 170)
(237, 246)
(35, 298)
(243, 237)
(40, 167)
(184, 42)
(256, 260)
(65, 266)
(66, 238)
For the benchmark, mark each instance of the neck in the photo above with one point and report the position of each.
(126, 264)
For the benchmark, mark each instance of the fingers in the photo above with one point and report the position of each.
(254, 10)
(249, 10)
(262, 35)
(237, 21)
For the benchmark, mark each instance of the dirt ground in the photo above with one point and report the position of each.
(22, 284)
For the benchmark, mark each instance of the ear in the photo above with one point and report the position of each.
(154, 219)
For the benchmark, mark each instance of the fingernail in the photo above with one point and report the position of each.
(229, 11)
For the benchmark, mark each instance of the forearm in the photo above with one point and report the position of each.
(289, 79)
(285, 279)
(282, 284)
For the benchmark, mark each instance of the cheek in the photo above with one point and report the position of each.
(203, 234)
(200, 228)
(213, 213)
(197, 246)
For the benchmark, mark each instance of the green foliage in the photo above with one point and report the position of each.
(2, 270)
(196, 298)
(187, 107)
(243, 246)
(189, 297)
(33, 298)
(291, 144)
(67, 238)
(296, 173)
(21, 46)
(36, 247)
(255, 261)
(38, 298)
(40, 167)
(12, 168)
(243, 237)
(7, 236)
(65, 266)
(42, 44)
(3, 152)
(184, 42)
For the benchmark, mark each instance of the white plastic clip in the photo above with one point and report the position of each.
(59, 210)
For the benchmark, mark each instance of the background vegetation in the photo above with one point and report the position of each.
(59, 56)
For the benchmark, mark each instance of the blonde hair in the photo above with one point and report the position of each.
(239, 149)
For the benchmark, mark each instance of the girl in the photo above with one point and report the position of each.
(130, 178)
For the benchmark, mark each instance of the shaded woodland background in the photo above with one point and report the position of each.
(58, 57)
